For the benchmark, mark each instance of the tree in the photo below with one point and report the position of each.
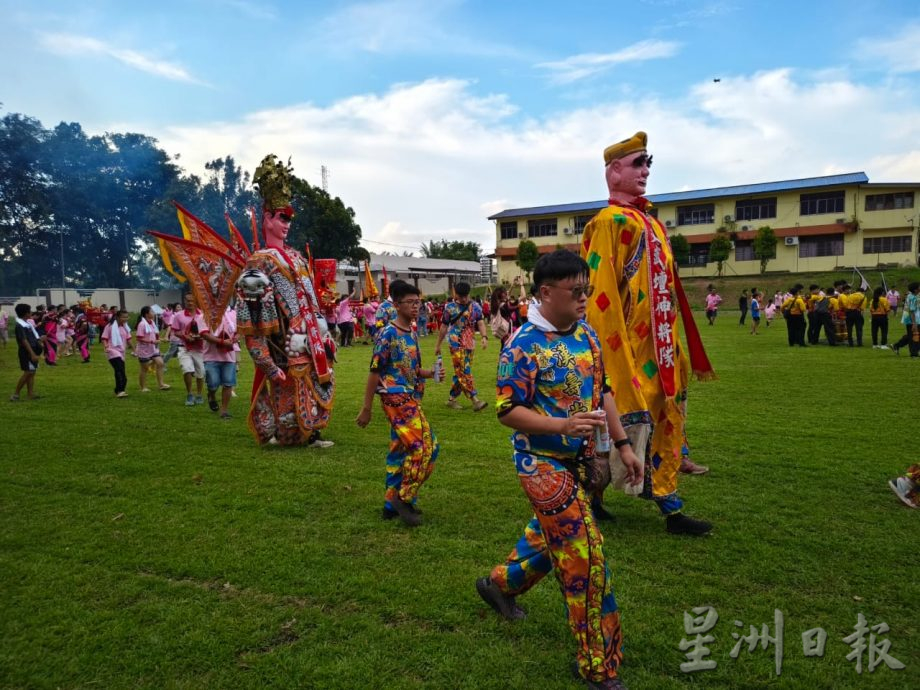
(527, 255)
(451, 249)
(720, 249)
(681, 248)
(325, 223)
(765, 246)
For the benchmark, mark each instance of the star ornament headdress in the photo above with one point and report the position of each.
(273, 180)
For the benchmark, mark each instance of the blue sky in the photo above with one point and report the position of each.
(430, 115)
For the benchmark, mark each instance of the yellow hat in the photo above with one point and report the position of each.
(623, 148)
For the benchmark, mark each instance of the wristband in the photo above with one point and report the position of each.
(622, 442)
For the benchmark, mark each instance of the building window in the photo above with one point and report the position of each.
(509, 230)
(887, 202)
(699, 255)
(755, 209)
(821, 202)
(887, 245)
(696, 215)
(822, 245)
(545, 227)
(580, 223)
(744, 250)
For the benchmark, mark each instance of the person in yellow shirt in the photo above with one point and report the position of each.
(820, 310)
(879, 309)
(794, 309)
(855, 303)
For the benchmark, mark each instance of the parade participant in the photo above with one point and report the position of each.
(116, 337)
(855, 304)
(500, 322)
(286, 335)
(755, 311)
(634, 309)
(819, 316)
(189, 325)
(345, 319)
(743, 306)
(81, 334)
(552, 392)
(4, 326)
(385, 313)
(910, 318)
(368, 310)
(460, 318)
(148, 349)
(894, 298)
(713, 300)
(49, 330)
(396, 374)
(907, 487)
(879, 308)
(220, 363)
(794, 309)
(30, 348)
(174, 342)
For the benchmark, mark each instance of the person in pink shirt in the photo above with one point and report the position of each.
(345, 318)
(713, 300)
(147, 349)
(116, 337)
(189, 326)
(4, 327)
(369, 312)
(220, 363)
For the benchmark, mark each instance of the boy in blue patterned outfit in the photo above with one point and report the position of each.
(461, 316)
(396, 374)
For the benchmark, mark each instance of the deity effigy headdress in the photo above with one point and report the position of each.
(637, 142)
(273, 180)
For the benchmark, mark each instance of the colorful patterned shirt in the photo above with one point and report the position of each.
(386, 312)
(554, 374)
(461, 321)
(397, 359)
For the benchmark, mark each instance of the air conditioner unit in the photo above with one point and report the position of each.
(840, 221)
(791, 241)
(520, 235)
(745, 228)
(668, 223)
(566, 231)
(729, 219)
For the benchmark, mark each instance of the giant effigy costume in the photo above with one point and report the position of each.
(277, 308)
(634, 309)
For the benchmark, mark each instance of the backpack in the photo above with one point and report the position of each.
(822, 306)
(500, 326)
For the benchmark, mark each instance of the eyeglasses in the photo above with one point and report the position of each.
(577, 290)
(643, 160)
(411, 302)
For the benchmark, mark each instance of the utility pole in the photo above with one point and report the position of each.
(325, 173)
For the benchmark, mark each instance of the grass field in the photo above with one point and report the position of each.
(150, 545)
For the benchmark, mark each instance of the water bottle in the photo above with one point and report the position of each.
(438, 370)
(601, 434)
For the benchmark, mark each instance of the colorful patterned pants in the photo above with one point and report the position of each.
(563, 536)
(413, 448)
(462, 381)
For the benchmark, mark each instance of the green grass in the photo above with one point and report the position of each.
(145, 544)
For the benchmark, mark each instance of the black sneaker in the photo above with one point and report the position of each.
(609, 684)
(500, 602)
(388, 514)
(212, 403)
(601, 513)
(406, 512)
(678, 523)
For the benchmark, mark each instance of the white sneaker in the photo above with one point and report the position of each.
(883, 347)
(322, 443)
(904, 489)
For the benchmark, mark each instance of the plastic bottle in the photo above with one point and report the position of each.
(601, 434)
(438, 370)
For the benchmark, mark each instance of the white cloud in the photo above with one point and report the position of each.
(72, 44)
(406, 26)
(432, 160)
(900, 53)
(584, 65)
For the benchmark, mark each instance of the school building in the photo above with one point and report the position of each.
(821, 224)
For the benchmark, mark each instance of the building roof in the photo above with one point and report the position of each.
(415, 264)
(696, 194)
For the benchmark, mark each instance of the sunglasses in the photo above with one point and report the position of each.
(286, 217)
(577, 291)
(643, 160)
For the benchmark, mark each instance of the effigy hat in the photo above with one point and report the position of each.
(623, 148)
(273, 180)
